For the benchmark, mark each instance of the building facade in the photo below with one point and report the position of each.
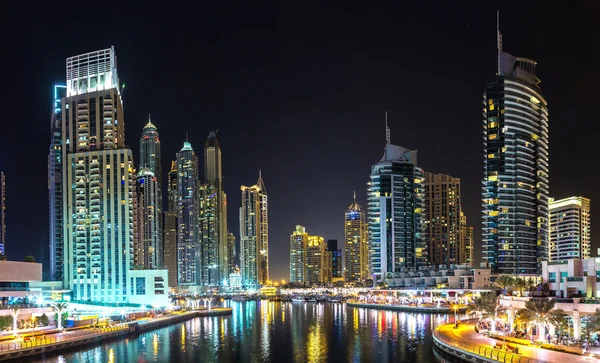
(2, 213)
(188, 238)
(570, 230)
(209, 234)
(298, 242)
(170, 246)
(356, 243)
(318, 261)
(442, 220)
(55, 186)
(98, 181)
(337, 267)
(254, 234)
(148, 247)
(172, 187)
(515, 181)
(150, 157)
(396, 213)
(231, 250)
(466, 242)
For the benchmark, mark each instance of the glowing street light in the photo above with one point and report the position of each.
(15, 314)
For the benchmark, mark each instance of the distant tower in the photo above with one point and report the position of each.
(254, 234)
(148, 251)
(172, 187)
(337, 270)
(356, 245)
(466, 242)
(515, 174)
(570, 229)
(231, 251)
(396, 203)
(170, 245)
(188, 241)
(2, 213)
(298, 242)
(150, 155)
(318, 261)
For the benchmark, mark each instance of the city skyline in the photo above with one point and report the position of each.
(368, 122)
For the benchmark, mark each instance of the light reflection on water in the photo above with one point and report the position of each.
(278, 332)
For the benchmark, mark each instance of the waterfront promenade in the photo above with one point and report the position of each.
(429, 308)
(465, 343)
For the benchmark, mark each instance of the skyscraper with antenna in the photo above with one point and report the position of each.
(515, 185)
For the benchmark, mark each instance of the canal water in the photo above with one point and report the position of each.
(277, 332)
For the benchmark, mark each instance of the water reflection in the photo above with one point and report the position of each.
(279, 332)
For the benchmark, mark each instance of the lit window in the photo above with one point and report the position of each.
(491, 156)
(492, 125)
(491, 107)
(493, 136)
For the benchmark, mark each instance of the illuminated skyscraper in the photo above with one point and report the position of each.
(337, 268)
(318, 261)
(188, 239)
(172, 187)
(254, 234)
(150, 155)
(55, 186)
(209, 234)
(396, 213)
(466, 242)
(298, 242)
(442, 221)
(570, 230)
(515, 180)
(231, 251)
(148, 249)
(213, 176)
(2, 212)
(170, 245)
(98, 181)
(356, 244)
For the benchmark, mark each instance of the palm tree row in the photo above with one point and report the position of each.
(505, 282)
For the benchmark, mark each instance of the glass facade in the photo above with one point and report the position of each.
(149, 238)
(570, 234)
(188, 241)
(355, 243)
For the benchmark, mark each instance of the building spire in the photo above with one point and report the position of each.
(387, 131)
(498, 39)
(186, 137)
(354, 197)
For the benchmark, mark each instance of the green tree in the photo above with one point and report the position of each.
(504, 282)
(537, 311)
(59, 307)
(29, 259)
(43, 320)
(521, 284)
(559, 318)
(5, 322)
(484, 305)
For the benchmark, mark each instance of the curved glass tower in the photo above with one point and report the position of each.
(150, 155)
(515, 181)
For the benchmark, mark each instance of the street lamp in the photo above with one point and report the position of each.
(455, 307)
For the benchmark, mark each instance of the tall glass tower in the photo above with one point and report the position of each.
(356, 244)
(188, 240)
(150, 155)
(149, 242)
(515, 181)
(254, 234)
(98, 181)
(396, 213)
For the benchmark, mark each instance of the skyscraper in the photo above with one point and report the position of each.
(188, 239)
(150, 155)
(396, 212)
(515, 181)
(231, 251)
(254, 234)
(318, 261)
(356, 244)
(337, 268)
(2, 212)
(98, 181)
(172, 187)
(466, 242)
(209, 234)
(55, 186)
(148, 251)
(442, 221)
(170, 245)
(570, 234)
(298, 242)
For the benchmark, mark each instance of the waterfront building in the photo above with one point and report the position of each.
(466, 242)
(337, 269)
(148, 247)
(98, 181)
(318, 261)
(442, 220)
(55, 186)
(213, 176)
(231, 250)
(172, 187)
(188, 238)
(396, 212)
(449, 277)
(356, 243)
(515, 180)
(298, 242)
(209, 234)
(170, 245)
(254, 234)
(2, 213)
(570, 234)
(149, 287)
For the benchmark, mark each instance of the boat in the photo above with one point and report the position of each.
(239, 298)
(297, 299)
(311, 299)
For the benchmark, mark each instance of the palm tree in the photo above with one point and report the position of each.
(504, 282)
(484, 305)
(15, 314)
(59, 307)
(538, 311)
(559, 318)
(521, 284)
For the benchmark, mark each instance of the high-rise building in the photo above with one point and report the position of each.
(213, 176)
(515, 180)
(254, 234)
(442, 221)
(170, 245)
(318, 261)
(337, 268)
(148, 248)
(98, 181)
(172, 187)
(150, 155)
(356, 243)
(188, 238)
(396, 213)
(466, 242)
(570, 232)
(231, 252)
(55, 186)
(298, 242)
(2, 212)
(209, 234)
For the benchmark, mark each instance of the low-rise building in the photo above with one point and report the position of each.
(453, 277)
(149, 287)
(572, 278)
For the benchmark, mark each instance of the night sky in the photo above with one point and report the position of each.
(301, 93)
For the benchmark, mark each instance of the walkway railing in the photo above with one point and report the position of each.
(484, 351)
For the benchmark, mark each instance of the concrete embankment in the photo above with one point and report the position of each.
(62, 341)
(412, 309)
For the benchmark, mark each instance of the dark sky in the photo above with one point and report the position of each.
(300, 91)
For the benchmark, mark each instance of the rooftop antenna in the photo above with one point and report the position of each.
(354, 197)
(387, 130)
(499, 38)
(186, 137)
(149, 118)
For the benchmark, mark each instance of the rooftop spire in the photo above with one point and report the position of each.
(387, 131)
(355, 197)
(498, 39)
(149, 125)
